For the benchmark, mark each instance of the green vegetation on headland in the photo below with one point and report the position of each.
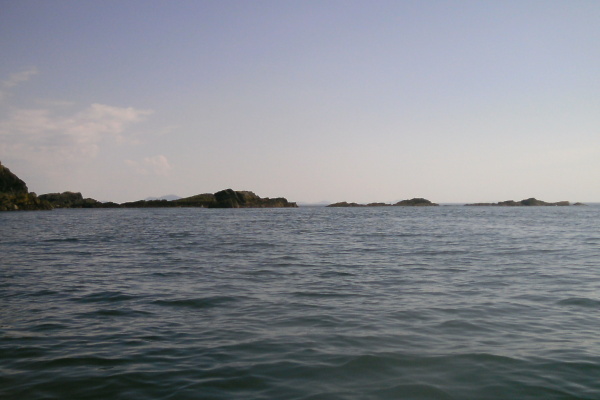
(14, 196)
(417, 202)
(527, 202)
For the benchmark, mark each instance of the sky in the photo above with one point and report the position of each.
(453, 101)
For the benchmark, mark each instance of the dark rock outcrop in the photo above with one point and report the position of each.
(63, 200)
(22, 202)
(199, 200)
(346, 204)
(416, 202)
(74, 200)
(229, 198)
(14, 194)
(523, 203)
(10, 183)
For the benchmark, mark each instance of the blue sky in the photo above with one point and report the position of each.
(311, 100)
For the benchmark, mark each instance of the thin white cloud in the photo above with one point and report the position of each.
(54, 103)
(34, 131)
(19, 77)
(15, 79)
(157, 165)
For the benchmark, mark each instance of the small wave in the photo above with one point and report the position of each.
(461, 326)
(43, 292)
(21, 352)
(591, 240)
(439, 252)
(335, 274)
(261, 272)
(106, 238)
(419, 391)
(580, 302)
(313, 321)
(287, 258)
(110, 312)
(62, 240)
(323, 294)
(104, 296)
(179, 234)
(166, 274)
(48, 326)
(200, 303)
(84, 361)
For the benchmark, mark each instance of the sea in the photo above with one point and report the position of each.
(448, 302)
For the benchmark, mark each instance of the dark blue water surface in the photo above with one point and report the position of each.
(446, 302)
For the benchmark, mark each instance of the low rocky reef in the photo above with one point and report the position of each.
(416, 202)
(524, 203)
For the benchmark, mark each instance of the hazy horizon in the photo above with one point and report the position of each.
(452, 101)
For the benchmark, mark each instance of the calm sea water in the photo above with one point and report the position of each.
(311, 303)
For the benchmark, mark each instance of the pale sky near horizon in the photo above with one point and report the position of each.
(454, 101)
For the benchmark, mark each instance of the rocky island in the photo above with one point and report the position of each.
(14, 195)
(416, 202)
(524, 203)
(227, 198)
